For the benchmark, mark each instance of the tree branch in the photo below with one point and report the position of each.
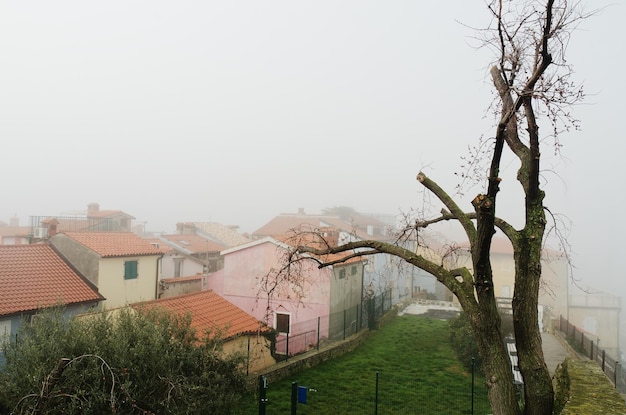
(468, 225)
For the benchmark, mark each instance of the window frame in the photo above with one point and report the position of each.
(131, 272)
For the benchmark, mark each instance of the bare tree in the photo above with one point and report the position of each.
(533, 82)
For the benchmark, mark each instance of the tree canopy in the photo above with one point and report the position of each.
(147, 362)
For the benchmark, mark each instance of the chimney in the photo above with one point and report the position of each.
(301, 211)
(92, 209)
(52, 227)
(14, 221)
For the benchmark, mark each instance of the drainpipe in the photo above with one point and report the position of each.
(156, 282)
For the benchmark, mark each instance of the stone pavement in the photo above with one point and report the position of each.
(554, 351)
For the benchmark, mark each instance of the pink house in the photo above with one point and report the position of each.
(321, 303)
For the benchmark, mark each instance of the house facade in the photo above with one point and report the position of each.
(384, 273)
(252, 279)
(190, 254)
(124, 267)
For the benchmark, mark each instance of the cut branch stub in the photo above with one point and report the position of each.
(482, 202)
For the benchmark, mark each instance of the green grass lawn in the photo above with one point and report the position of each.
(418, 374)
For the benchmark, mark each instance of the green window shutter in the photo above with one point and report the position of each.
(130, 270)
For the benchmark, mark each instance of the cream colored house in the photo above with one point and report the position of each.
(597, 315)
(123, 266)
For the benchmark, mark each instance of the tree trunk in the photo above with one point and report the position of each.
(496, 363)
(538, 391)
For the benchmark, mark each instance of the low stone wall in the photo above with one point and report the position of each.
(583, 389)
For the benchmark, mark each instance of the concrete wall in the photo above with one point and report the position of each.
(582, 388)
(176, 288)
(83, 259)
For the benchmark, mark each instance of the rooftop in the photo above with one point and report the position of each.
(209, 311)
(114, 244)
(34, 277)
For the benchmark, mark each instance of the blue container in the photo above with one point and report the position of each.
(302, 394)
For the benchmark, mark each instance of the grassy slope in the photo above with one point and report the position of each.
(418, 373)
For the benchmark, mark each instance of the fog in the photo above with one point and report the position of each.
(235, 112)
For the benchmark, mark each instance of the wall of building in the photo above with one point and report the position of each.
(243, 274)
(176, 288)
(84, 260)
(256, 347)
(189, 266)
(598, 316)
(120, 292)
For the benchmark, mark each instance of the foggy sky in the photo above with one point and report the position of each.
(235, 112)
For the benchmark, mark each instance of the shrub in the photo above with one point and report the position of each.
(136, 362)
(463, 342)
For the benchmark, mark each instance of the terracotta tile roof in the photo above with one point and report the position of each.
(107, 214)
(209, 311)
(192, 243)
(287, 223)
(221, 233)
(174, 280)
(34, 276)
(159, 244)
(114, 244)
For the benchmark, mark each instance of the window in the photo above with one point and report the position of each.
(130, 270)
(342, 273)
(353, 270)
(282, 322)
(178, 267)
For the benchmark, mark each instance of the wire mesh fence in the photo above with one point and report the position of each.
(318, 332)
(390, 395)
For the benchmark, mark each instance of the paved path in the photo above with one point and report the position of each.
(554, 352)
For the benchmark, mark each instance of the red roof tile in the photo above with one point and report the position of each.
(114, 244)
(181, 279)
(193, 243)
(209, 311)
(34, 276)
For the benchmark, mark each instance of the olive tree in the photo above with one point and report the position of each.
(532, 82)
(130, 362)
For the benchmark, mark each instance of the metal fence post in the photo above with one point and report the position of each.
(287, 348)
(376, 396)
(318, 333)
(591, 353)
(615, 373)
(248, 359)
(344, 323)
(473, 364)
(582, 340)
(262, 395)
(603, 356)
(294, 397)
